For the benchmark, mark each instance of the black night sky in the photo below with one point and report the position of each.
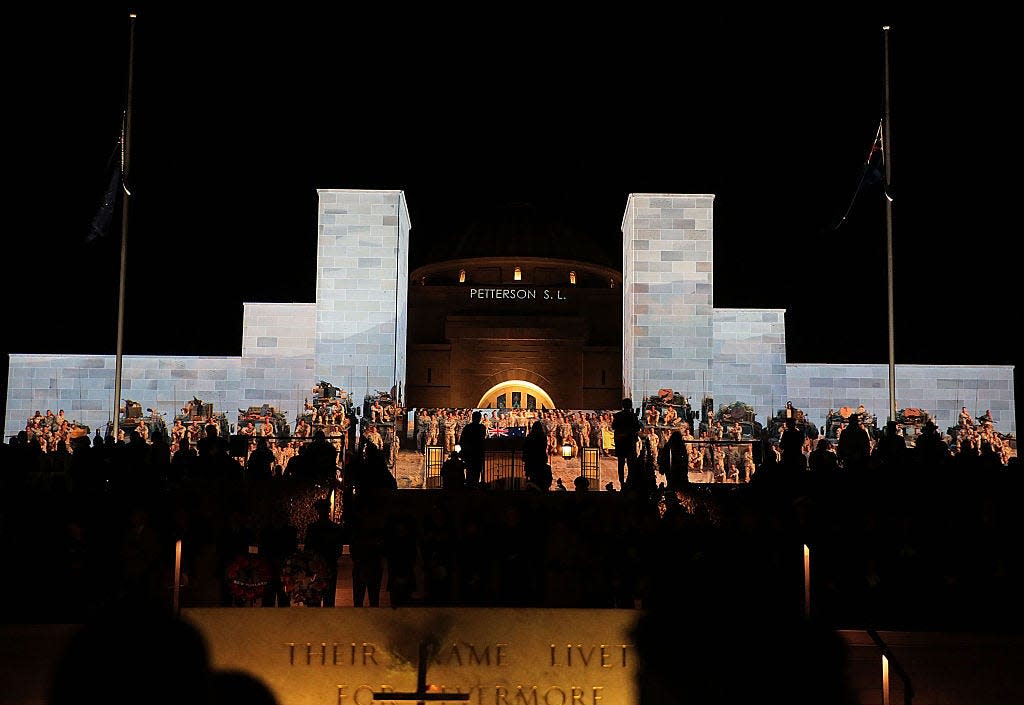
(239, 115)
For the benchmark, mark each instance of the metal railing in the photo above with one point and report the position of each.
(889, 662)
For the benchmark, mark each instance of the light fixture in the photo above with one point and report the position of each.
(518, 275)
(462, 276)
(458, 448)
(572, 278)
(566, 451)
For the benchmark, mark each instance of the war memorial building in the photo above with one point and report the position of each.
(523, 319)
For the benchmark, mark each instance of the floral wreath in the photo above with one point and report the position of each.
(248, 577)
(304, 576)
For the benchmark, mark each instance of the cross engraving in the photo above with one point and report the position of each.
(421, 695)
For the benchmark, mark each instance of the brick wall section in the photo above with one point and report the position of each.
(362, 254)
(749, 362)
(83, 385)
(278, 340)
(938, 389)
(671, 335)
(667, 271)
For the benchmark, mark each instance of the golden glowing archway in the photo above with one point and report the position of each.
(515, 393)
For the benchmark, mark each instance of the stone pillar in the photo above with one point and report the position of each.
(361, 289)
(667, 294)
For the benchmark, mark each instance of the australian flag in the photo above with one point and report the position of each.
(497, 432)
(517, 432)
(105, 213)
(873, 172)
(875, 162)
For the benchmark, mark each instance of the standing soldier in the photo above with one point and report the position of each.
(449, 432)
(433, 428)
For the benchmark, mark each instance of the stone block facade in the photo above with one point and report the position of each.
(667, 284)
(354, 336)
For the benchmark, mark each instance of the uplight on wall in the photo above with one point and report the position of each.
(518, 276)
(462, 276)
(572, 278)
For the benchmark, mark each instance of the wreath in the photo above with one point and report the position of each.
(248, 577)
(304, 576)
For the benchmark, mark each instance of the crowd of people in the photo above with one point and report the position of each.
(889, 537)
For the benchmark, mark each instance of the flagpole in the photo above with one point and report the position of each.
(887, 163)
(126, 132)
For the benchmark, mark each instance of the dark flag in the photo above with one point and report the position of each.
(875, 162)
(105, 213)
(871, 173)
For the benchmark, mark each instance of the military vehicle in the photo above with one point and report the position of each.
(667, 409)
(836, 420)
(327, 404)
(729, 415)
(259, 416)
(131, 416)
(199, 412)
(910, 421)
(777, 424)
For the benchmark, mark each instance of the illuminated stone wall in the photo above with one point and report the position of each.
(938, 389)
(83, 385)
(749, 362)
(354, 336)
(362, 256)
(277, 356)
(667, 274)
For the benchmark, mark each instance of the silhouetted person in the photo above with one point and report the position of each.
(823, 458)
(401, 552)
(326, 538)
(625, 431)
(320, 460)
(366, 546)
(259, 466)
(761, 621)
(697, 670)
(453, 473)
(372, 473)
(161, 659)
(581, 483)
(891, 448)
(214, 462)
(471, 449)
(854, 445)
(183, 462)
(535, 456)
(642, 480)
(674, 462)
(930, 449)
(278, 541)
(160, 456)
(791, 443)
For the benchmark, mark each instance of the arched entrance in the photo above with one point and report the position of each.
(515, 394)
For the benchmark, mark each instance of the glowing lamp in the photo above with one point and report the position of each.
(566, 451)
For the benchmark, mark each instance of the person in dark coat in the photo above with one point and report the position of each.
(535, 457)
(471, 449)
(854, 445)
(326, 538)
(453, 473)
(674, 462)
(626, 432)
